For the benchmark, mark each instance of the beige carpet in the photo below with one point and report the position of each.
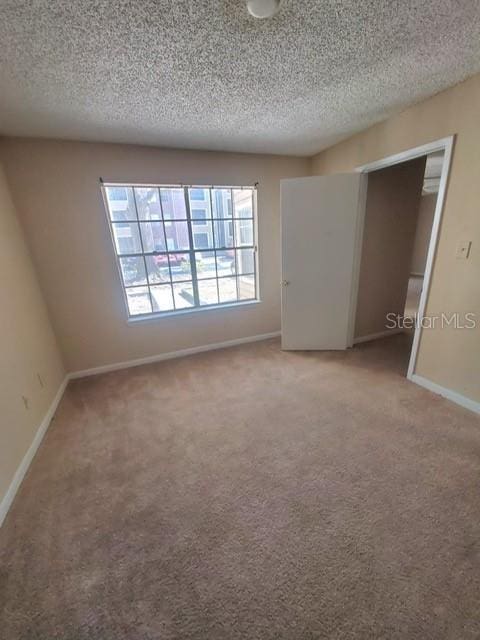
(249, 494)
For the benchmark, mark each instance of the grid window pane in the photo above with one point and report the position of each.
(173, 203)
(208, 292)
(162, 297)
(199, 201)
(197, 194)
(183, 247)
(223, 233)
(245, 261)
(242, 203)
(138, 300)
(246, 287)
(148, 203)
(180, 266)
(227, 289)
(127, 237)
(153, 237)
(222, 203)
(203, 235)
(205, 263)
(157, 268)
(177, 236)
(121, 205)
(183, 293)
(243, 233)
(133, 271)
(226, 263)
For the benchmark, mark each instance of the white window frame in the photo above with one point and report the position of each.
(192, 251)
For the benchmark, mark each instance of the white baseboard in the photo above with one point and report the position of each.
(8, 498)
(377, 336)
(170, 355)
(463, 401)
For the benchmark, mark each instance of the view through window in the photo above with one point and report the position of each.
(183, 247)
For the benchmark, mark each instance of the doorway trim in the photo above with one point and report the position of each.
(443, 144)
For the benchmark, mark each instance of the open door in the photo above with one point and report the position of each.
(321, 226)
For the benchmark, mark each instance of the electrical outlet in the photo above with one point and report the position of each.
(463, 249)
(40, 380)
(26, 402)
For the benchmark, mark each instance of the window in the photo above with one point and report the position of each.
(199, 194)
(180, 248)
(201, 240)
(200, 217)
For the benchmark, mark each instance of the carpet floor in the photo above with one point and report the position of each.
(249, 494)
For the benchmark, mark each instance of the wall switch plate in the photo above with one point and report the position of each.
(463, 249)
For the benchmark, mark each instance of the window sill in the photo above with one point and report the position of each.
(152, 317)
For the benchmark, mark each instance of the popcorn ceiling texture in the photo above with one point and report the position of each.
(205, 74)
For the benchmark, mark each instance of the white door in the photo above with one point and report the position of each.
(321, 225)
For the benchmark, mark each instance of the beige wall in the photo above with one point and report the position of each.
(423, 233)
(56, 189)
(448, 356)
(27, 345)
(391, 212)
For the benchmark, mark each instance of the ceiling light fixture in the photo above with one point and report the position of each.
(263, 8)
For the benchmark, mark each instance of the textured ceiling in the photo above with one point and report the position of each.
(205, 74)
